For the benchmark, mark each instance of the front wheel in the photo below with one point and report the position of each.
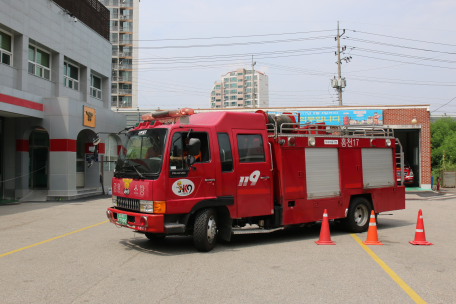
(358, 215)
(205, 229)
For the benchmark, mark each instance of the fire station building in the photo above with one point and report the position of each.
(55, 95)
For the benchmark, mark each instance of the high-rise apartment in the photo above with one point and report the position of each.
(237, 89)
(124, 39)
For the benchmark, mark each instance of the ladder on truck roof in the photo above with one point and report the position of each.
(322, 130)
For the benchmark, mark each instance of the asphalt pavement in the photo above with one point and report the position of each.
(103, 263)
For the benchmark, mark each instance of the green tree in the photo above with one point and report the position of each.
(443, 138)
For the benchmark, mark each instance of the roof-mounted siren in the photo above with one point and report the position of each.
(171, 116)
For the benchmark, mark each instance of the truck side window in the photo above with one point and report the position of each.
(250, 148)
(178, 153)
(226, 157)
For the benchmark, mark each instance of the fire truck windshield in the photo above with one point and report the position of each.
(142, 153)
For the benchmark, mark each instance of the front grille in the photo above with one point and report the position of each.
(128, 203)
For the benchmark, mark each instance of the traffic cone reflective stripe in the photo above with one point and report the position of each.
(325, 236)
(420, 235)
(372, 237)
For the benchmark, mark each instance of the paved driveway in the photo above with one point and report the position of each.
(103, 263)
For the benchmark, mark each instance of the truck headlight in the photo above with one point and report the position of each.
(146, 206)
(114, 200)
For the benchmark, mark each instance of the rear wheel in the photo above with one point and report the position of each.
(155, 236)
(205, 229)
(358, 215)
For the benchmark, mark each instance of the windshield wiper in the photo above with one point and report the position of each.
(134, 167)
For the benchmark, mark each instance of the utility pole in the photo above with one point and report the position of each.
(340, 82)
(339, 88)
(253, 83)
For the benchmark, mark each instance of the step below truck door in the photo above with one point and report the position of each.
(253, 172)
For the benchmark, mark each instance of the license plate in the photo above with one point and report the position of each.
(122, 219)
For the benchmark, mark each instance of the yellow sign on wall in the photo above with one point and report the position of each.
(89, 117)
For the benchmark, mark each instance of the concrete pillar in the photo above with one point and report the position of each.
(57, 72)
(20, 61)
(84, 82)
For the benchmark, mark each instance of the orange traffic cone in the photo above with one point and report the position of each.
(372, 237)
(325, 236)
(420, 236)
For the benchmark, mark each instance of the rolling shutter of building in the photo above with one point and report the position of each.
(322, 172)
(378, 170)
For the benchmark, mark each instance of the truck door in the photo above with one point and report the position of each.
(253, 172)
(187, 187)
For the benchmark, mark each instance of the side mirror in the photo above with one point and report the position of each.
(194, 146)
(190, 160)
(96, 141)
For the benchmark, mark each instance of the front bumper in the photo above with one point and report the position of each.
(155, 223)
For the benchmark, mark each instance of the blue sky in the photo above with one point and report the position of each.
(383, 70)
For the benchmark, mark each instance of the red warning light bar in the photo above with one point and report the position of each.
(166, 115)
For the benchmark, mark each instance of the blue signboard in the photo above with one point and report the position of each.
(341, 117)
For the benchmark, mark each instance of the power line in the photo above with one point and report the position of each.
(430, 42)
(230, 37)
(444, 104)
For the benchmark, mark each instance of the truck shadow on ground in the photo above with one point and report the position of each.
(181, 245)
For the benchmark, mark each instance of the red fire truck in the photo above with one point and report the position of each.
(215, 174)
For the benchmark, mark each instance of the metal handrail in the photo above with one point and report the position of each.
(401, 155)
(331, 131)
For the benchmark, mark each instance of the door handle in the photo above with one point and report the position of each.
(210, 180)
(264, 177)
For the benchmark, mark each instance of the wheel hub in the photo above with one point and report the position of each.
(211, 229)
(361, 215)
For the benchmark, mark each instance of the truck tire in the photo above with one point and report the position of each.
(358, 215)
(155, 236)
(205, 229)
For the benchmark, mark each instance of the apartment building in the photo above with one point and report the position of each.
(124, 23)
(238, 89)
(55, 96)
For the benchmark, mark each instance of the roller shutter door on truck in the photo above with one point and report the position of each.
(322, 172)
(378, 169)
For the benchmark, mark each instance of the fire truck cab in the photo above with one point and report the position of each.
(215, 174)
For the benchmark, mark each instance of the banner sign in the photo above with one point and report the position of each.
(341, 117)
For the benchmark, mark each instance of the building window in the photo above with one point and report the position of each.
(233, 74)
(233, 97)
(248, 96)
(5, 49)
(248, 90)
(226, 156)
(213, 98)
(225, 97)
(39, 62)
(233, 104)
(233, 85)
(248, 77)
(240, 93)
(217, 87)
(213, 105)
(226, 85)
(217, 94)
(240, 74)
(226, 104)
(240, 104)
(95, 86)
(239, 80)
(240, 87)
(218, 100)
(248, 84)
(217, 106)
(226, 79)
(248, 102)
(233, 79)
(213, 93)
(240, 98)
(70, 76)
